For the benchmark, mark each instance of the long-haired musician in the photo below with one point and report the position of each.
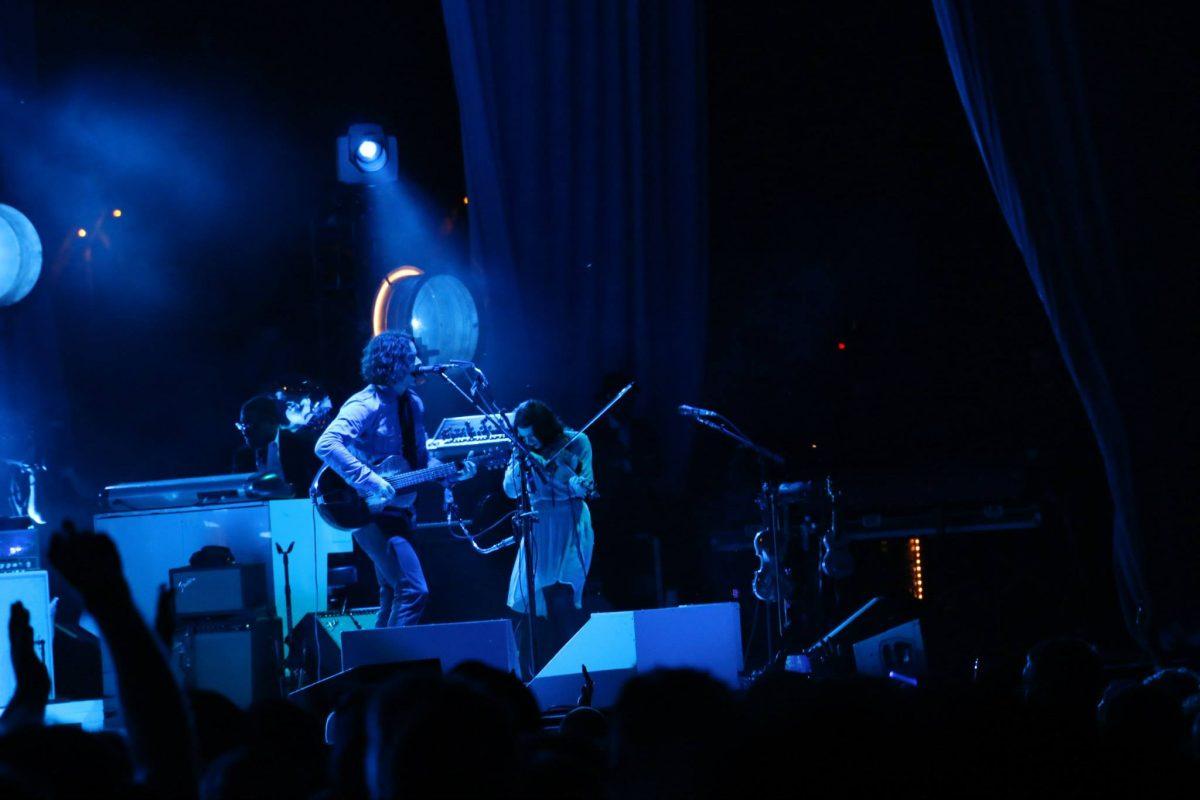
(385, 418)
(562, 534)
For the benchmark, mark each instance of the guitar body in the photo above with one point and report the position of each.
(343, 507)
(340, 505)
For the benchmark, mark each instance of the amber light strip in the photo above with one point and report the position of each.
(914, 562)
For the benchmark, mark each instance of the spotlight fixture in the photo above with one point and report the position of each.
(369, 152)
(366, 156)
(438, 310)
(20, 256)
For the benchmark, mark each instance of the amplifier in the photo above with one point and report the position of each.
(19, 564)
(238, 658)
(33, 590)
(315, 648)
(219, 591)
(19, 550)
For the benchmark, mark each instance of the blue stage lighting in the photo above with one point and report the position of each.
(367, 155)
(369, 150)
(20, 256)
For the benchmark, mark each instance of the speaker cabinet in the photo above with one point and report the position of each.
(315, 649)
(900, 650)
(33, 590)
(489, 641)
(238, 658)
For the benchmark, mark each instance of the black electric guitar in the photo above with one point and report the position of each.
(342, 506)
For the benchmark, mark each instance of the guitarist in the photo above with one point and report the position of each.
(386, 418)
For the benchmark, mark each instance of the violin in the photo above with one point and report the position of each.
(764, 586)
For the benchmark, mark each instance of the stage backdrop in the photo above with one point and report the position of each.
(1086, 119)
(584, 137)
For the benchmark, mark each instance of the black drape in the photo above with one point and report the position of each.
(583, 131)
(1085, 118)
(32, 407)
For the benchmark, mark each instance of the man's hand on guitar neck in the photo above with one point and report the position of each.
(466, 470)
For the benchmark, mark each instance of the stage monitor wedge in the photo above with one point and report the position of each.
(899, 650)
(489, 641)
(617, 645)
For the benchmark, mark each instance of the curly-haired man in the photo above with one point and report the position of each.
(386, 418)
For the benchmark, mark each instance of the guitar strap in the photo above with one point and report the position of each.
(408, 429)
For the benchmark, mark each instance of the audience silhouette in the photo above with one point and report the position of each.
(477, 731)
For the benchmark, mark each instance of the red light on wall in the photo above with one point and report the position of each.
(841, 345)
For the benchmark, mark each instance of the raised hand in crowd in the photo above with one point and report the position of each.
(156, 717)
(90, 563)
(28, 703)
(164, 616)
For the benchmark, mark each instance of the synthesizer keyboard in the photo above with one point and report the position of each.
(457, 436)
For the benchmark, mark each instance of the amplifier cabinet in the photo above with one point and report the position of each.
(33, 590)
(238, 658)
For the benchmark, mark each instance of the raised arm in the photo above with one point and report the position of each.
(160, 731)
(27, 706)
(333, 447)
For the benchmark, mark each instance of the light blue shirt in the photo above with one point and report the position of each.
(367, 429)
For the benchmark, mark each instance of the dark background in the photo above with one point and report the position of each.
(848, 204)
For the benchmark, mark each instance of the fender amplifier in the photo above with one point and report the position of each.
(202, 592)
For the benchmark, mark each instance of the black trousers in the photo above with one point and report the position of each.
(554, 630)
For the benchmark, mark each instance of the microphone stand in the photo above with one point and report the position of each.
(524, 518)
(767, 504)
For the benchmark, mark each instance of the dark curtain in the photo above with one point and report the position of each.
(1085, 117)
(31, 405)
(583, 130)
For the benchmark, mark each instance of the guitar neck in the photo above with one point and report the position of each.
(407, 480)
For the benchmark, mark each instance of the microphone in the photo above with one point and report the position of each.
(438, 369)
(697, 413)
